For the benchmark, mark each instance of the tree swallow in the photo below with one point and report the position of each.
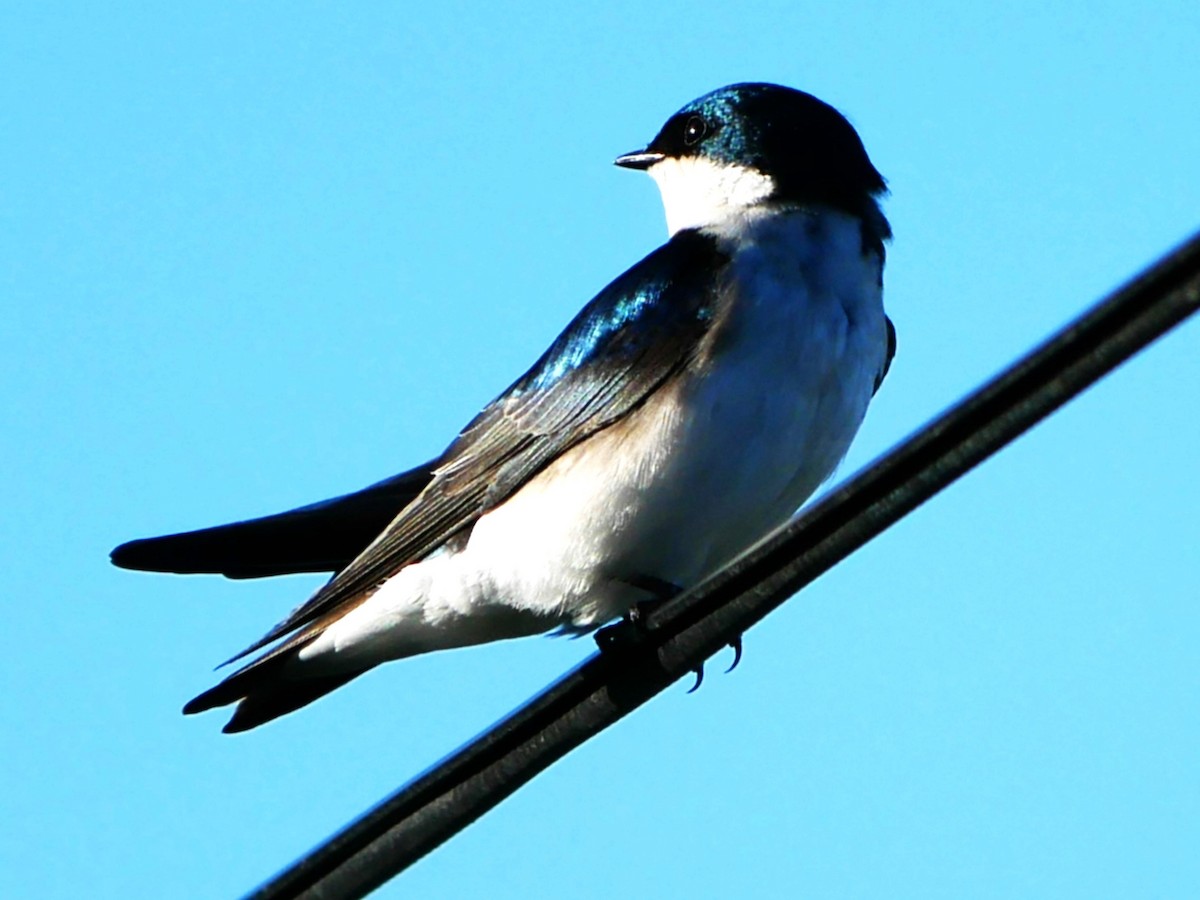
(688, 409)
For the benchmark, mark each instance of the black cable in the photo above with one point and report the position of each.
(676, 638)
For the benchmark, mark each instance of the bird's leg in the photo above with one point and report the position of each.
(632, 627)
(660, 590)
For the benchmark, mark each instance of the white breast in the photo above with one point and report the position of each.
(727, 452)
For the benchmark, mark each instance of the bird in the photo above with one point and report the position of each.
(688, 409)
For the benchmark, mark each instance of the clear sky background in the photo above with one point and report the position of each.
(253, 255)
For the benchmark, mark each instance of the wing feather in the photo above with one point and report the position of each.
(621, 347)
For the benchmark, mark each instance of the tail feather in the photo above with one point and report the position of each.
(320, 537)
(267, 688)
(281, 698)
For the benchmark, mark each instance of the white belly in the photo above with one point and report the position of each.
(717, 459)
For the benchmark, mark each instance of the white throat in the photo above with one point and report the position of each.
(698, 192)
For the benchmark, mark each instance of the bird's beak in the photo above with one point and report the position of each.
(638, 159)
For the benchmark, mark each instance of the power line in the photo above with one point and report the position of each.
(676, 638)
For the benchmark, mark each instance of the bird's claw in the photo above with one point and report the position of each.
(736, 646)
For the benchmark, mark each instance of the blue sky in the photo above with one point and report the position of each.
(256, 255)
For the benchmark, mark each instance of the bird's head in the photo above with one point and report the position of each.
(749, 144)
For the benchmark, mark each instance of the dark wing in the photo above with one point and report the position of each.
(621, 347)
(320, 537)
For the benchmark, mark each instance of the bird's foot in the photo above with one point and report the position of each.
(631, 630)
(736, 646)
(662, 591)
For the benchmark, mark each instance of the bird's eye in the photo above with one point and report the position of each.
(694, 130)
